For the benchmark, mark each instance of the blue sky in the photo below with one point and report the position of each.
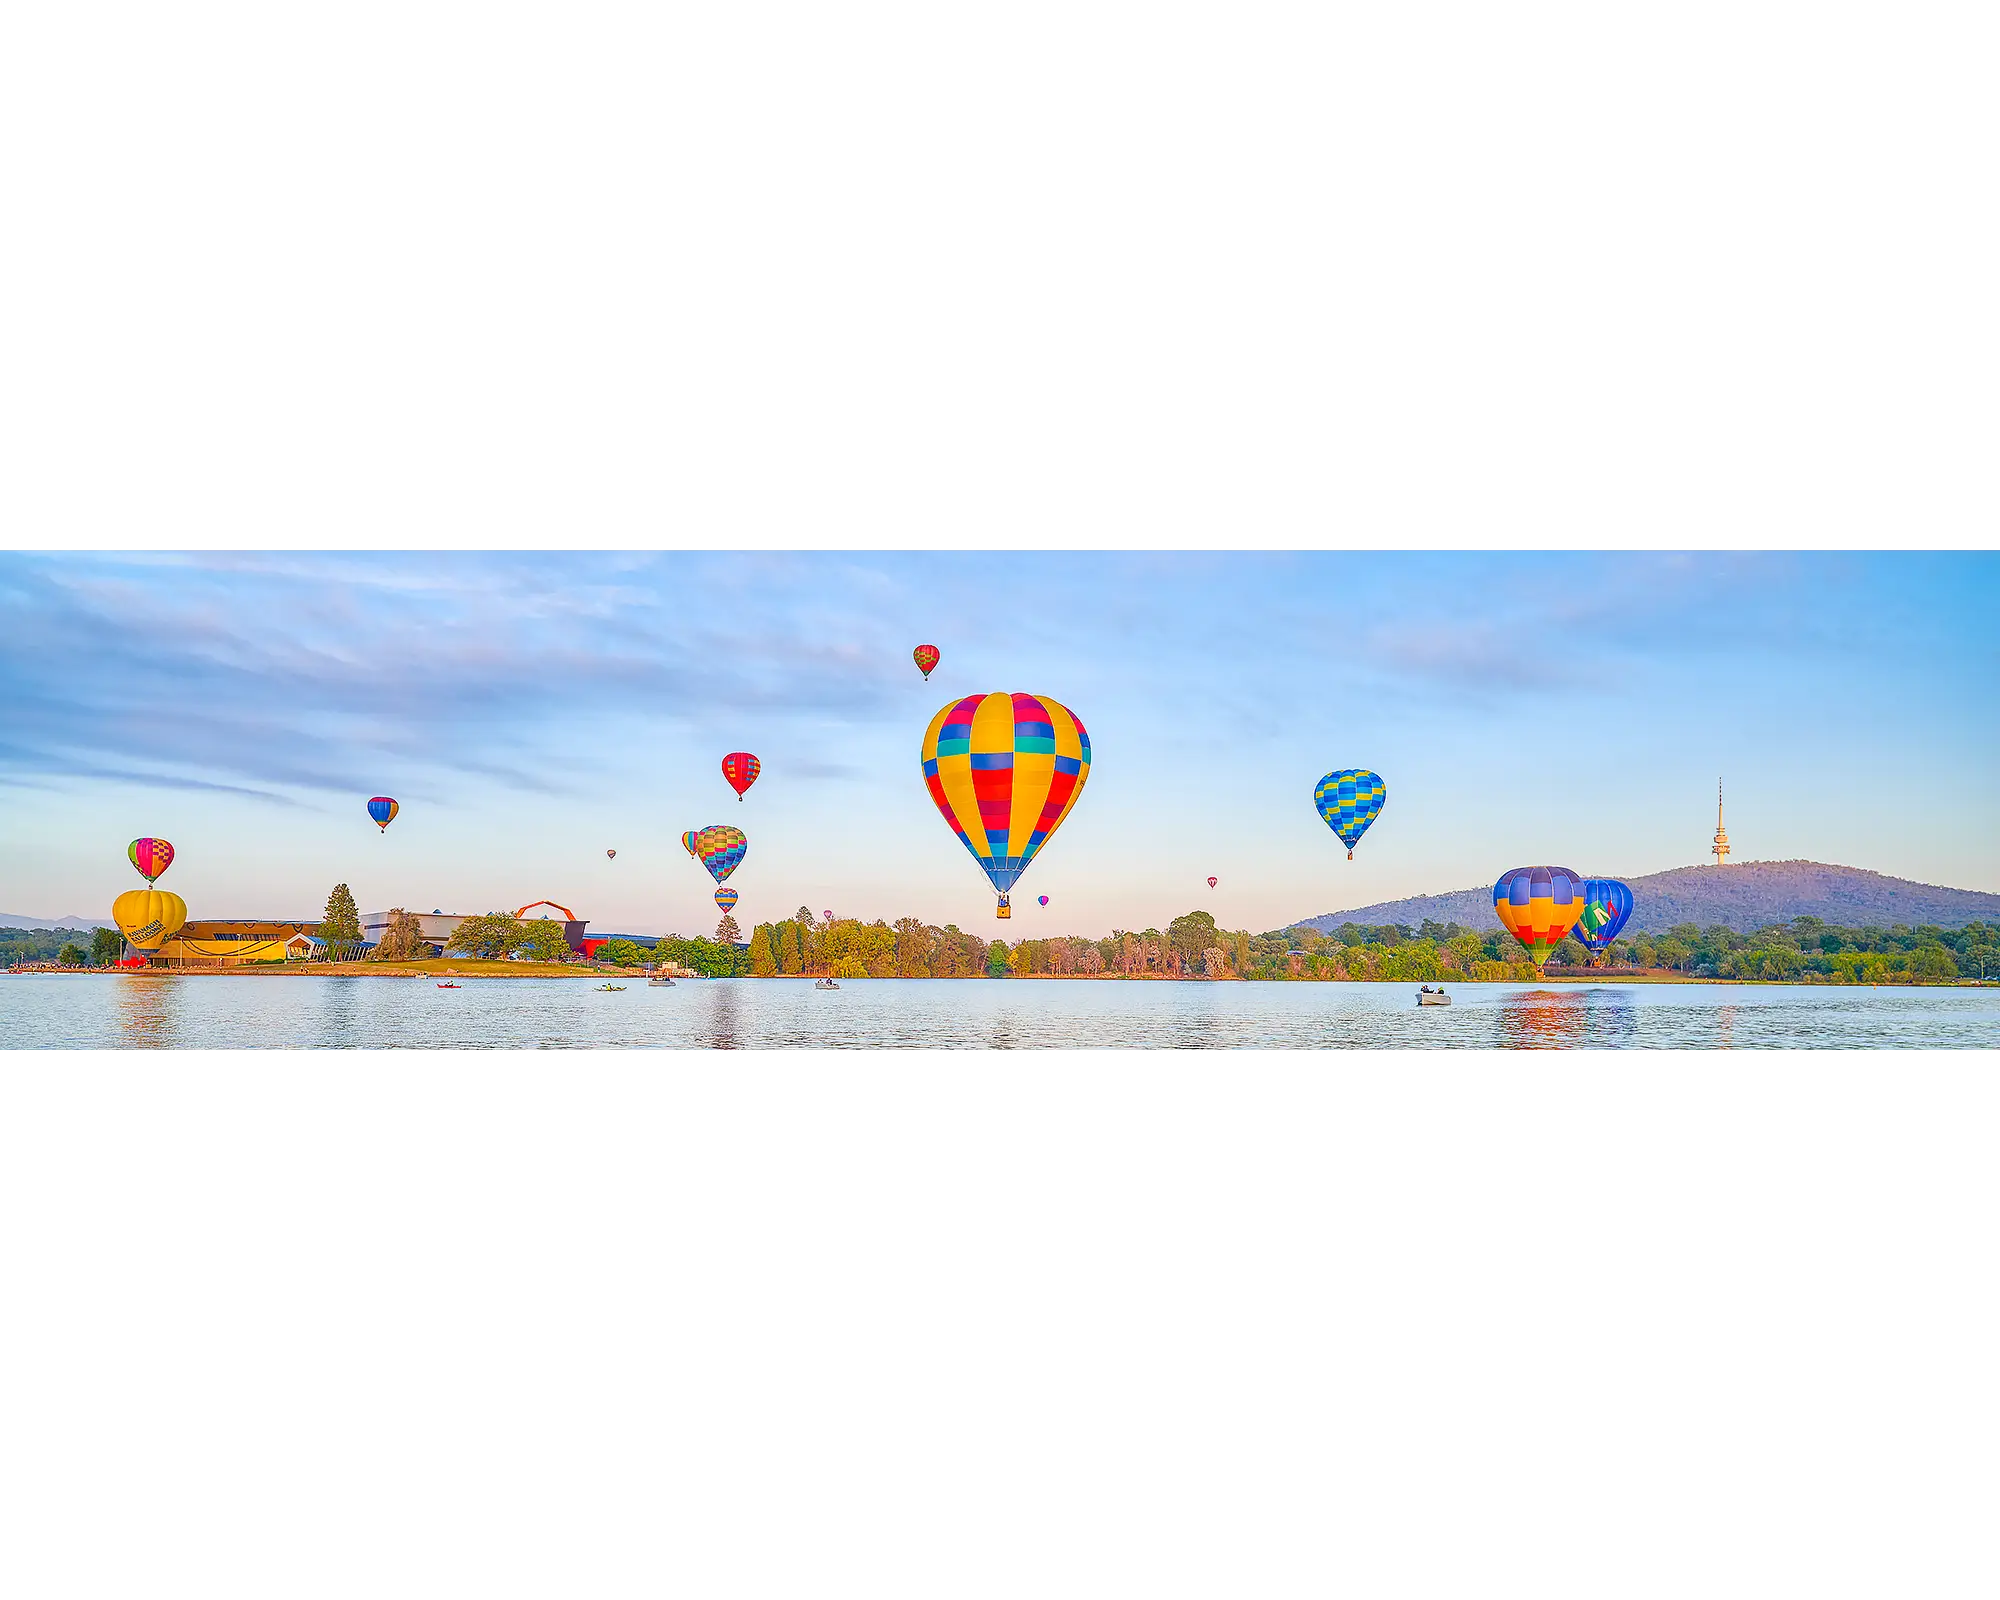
(531, 711)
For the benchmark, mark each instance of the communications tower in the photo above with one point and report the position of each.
(1721, 845)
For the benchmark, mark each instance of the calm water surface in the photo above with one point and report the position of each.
(167, 1012)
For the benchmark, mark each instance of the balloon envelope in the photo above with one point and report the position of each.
(1004, 770)
(151, 856)
(1609, 905)
(1212, 882)
(1348, 802)
(726, 898)
(148, 917)
(720, 848)
(383, 810)
(1539, 906)
(611, 855)
(926, 657)
(740, 767)
(691, 842)
(1045, 899)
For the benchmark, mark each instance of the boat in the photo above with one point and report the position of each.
(451, 986)
(660, 981)
(1427, 996)
(826, 983)
(610, 988)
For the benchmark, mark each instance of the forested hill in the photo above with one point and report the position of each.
(1750, 895)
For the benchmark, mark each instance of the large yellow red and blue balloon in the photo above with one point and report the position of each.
(1348, 802)
(151, 856)
(740, 767)
(926, 658)
(383, 810)
(1607, 908)
(726, 898)
(720, 848)
(1539, 906)
(1003, 771)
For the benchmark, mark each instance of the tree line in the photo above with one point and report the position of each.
(1804, 950)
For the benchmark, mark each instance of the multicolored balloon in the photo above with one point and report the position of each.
(1539, 906)
(1004, 770)
(611, 855)
(151, 856)
(691, 840)
(740, 767)
(1607, 908)
(383, 810)
(926, 657)
(726, 898)
(719, 848)
(1348, 801)
(1044, 899)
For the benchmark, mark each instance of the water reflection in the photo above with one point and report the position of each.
(1725, 1027)
(1545, 1019)
(1611, 1019)
(340, 1010)
(722, 1022)
(149, 1010)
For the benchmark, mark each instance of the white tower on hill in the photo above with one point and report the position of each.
(1721, 845)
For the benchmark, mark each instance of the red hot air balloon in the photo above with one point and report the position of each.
(740, 767)
(1211, 883)
(926, 658)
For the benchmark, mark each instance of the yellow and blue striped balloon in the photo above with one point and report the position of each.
(1348, 802)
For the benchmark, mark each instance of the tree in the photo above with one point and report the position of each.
(763, 959)
(996, 959)
(403, 939)
(619, 952)
(491, 937)
(1191, 935)
(340, 925)
(726, 931)
(544, 940)
(105, 944)
(71, 955)
(1932, 963)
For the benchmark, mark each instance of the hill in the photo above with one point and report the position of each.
(9, 920)
(1750, 895)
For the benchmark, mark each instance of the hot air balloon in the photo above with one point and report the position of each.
(1004, 770)
(726, 898)
(1212, 883)
(1045, 899)
(740, 767)
(148, 917)
(1607, 908)
(1348, 802)
(611, 855)
(829, 916)
(383, 810)
(926, 658)
(691, 840)
(1539, 906)
(151, 856)
(719, 848)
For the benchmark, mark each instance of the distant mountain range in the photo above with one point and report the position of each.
(1751, 894)
(9, 920)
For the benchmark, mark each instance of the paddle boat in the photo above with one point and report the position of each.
(610, 988)
(1427, 996)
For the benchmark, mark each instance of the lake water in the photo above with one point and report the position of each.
(163, 1011)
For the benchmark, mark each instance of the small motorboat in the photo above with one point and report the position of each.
(610, 988)
(826, 983)
(660, 981)
(1427, 996)
(451, 986)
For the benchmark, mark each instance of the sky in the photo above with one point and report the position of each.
(531, 711)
